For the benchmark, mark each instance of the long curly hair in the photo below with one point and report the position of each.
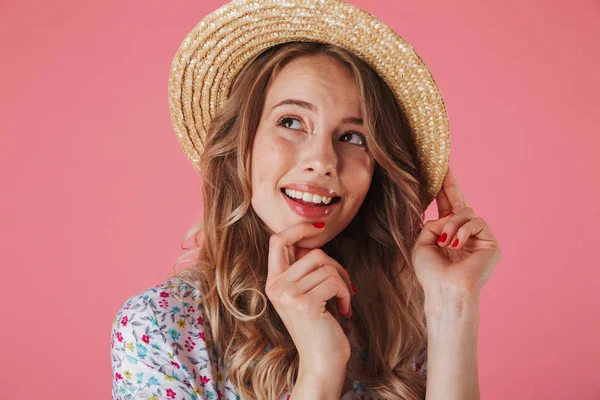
(231, 242)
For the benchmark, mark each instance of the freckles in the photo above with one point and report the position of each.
(255, 163)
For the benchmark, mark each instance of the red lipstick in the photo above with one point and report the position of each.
(308, 211)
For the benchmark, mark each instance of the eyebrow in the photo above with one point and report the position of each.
(313, 108)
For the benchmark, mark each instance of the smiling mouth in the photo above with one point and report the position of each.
(309, 199)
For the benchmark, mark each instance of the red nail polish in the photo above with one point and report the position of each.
(318, 224)
(455, 244)
(442, 238)
(447, 214)
(353, 288)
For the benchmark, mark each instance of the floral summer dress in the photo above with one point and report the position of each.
(161, 350)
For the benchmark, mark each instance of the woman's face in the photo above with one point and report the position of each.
(318, 150)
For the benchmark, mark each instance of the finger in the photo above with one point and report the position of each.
(314, 260)
(430, 232)
(456, 198)
(477, 228)
(452, 224)
(443, 204)
(280, 245)
(329, 288)
(317, 277)
(433, 230)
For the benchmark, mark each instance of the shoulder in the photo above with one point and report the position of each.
(172, 303)
(169, 308)
(158, 339)
(164, 295)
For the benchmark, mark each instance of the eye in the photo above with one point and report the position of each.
(282, 120)
(354, 138)
(350, 137)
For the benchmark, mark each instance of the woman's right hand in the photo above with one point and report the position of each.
(300, 292)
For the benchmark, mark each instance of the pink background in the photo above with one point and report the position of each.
(97, 194)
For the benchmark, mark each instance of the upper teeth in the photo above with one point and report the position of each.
(314, 198)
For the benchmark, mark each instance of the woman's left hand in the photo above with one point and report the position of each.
(465, 259)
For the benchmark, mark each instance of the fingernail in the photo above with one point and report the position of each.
(353, 288)
(442, 238)
(455, 244)
(319, 224)
(447, 214)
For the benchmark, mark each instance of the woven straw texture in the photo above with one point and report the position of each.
(212, 54)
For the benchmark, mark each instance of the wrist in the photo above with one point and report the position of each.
(319, 384)
(444, 301)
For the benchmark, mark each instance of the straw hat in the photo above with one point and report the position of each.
(212, 54)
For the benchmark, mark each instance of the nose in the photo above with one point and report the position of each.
(320, 157)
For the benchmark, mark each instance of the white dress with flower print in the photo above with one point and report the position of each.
(161, 350)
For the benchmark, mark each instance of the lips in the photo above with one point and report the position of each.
(305, 210)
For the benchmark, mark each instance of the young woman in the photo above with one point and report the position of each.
(313, 187)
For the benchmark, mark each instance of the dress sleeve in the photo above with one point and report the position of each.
(142, 365)
(420, 363)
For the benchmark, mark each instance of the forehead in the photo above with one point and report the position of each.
(318, 80)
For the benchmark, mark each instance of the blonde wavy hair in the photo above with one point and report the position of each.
(231, 242)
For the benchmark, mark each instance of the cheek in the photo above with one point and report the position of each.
(358, 177)
(270, 160)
